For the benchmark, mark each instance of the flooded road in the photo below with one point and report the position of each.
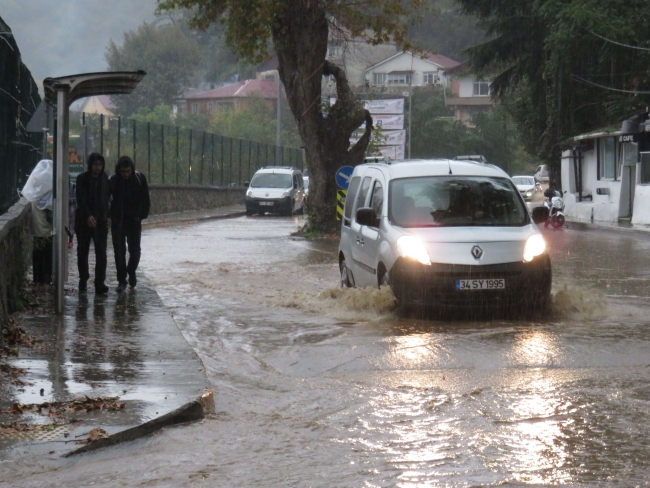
(315, 386)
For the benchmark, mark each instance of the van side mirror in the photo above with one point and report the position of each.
(540, 214)
(367, 216)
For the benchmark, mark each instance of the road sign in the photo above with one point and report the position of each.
(340, 203)
(343, 176)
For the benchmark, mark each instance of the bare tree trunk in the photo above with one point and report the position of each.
(301, 53)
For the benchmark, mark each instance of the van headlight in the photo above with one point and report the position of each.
(286, 194)
(535, 245)
(412, 248)
(249, 193)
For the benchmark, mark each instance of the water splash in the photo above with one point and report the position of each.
(574, 302)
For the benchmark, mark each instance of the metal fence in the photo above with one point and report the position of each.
(19, 149)
(176, 155)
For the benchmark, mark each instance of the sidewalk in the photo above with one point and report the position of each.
(113, 362)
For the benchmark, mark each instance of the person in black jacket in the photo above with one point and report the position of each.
(129, 207)
(93, 220)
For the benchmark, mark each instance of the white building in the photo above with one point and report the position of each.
(407, 69)
(606, 177)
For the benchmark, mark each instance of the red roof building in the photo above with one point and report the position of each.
(233, 97)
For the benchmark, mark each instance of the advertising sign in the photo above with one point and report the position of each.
(384, 138)
(387, 122)
(392, 152)
(394, 106)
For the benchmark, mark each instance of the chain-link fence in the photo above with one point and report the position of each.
(19, 149)
(180, 156)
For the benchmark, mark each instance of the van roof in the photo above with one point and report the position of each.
(432, 167)
(277, 169)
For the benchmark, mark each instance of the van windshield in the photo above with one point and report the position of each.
(446, 201)
(271, 180)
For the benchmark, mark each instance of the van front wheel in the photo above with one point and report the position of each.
(345, 275)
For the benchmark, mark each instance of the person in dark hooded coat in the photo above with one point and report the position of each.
(93, 220)
(129, 208)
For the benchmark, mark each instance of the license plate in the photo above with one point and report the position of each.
(487, 284)
(267, 204)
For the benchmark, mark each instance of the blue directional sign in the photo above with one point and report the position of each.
(343, 175)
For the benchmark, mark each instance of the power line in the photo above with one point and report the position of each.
(633, 92)
(618, 43)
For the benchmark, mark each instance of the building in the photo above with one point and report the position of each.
(405, 69)
(100, 104)
(606, 174)
(232, 97)
(468, 95)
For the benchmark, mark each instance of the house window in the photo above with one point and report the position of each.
(645, 167)
(210, 107)
(607, 158)
(225, 106)
(430, 78)
(378, 78)
(481, 88)
(399, 78)
(333, 51)
(629, 153)
(195, 108)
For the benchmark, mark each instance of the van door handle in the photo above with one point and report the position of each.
(360, 240)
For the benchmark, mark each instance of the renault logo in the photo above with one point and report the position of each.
(477, 252)
(266, 194)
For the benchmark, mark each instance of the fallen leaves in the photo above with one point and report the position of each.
(94, 435)
(59, 409)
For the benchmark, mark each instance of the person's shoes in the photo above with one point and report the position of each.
(83, 286)
(101, 289)
(133, 280)
(121, 287)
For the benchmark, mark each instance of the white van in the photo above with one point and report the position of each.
(443, 233)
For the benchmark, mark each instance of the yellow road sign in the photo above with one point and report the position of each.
(340, 203)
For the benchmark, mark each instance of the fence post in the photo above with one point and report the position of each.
(230, 169)
(189, 162)
(119, 129)
(149, 150)
(202, 157)
(239, 171)
(177, 155)
(222, 162)
(212, 161)
(250, 157)
(134, 145)
(101, 134)
(162, 150)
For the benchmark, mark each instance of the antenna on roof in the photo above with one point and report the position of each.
(449, 164)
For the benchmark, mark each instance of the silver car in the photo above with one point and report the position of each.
(443, 234)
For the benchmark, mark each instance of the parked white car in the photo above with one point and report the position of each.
(443, 233)
(275, 189)
(528, 187)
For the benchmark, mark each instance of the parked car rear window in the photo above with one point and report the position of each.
(445, 201)
(271, 180)
(521, 180)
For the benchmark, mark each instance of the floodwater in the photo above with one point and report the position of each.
(321, 387)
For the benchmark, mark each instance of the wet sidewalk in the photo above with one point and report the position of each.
(115, 362)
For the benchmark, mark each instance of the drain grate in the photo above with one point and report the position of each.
(23, 432)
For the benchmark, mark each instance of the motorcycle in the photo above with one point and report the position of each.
(555, 208)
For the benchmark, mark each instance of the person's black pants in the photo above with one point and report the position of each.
(42, 260)
(126, 233)
(99, 237)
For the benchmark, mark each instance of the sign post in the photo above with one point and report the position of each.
(343, 175)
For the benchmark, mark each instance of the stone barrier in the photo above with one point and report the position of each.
(182, 198)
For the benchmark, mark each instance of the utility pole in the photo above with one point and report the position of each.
(278, 129)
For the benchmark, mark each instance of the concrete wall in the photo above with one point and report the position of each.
(180, 198)
(15, 255)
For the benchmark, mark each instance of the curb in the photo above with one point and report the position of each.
(191, 220)
(190, 412)
(585, 226)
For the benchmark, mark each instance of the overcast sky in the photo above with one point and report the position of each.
(66, 37)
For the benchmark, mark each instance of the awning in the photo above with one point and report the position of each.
(91, 84)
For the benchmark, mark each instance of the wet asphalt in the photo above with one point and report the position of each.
(315, 386)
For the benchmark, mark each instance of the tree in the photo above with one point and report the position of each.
(297, 30)
(562, 66)
(167, 55)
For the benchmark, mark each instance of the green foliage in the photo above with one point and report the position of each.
(549, 55)
(166, 53)
(256, 122)
(162, 114)
(436, 134)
